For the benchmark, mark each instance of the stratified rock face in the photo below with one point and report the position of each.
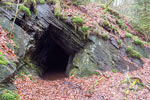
(21, 39)
(6, 72)
(105, 56)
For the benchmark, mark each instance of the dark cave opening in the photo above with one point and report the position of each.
(56, 63)
(51, 58)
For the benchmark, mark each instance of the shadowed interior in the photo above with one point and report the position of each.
(51, 58)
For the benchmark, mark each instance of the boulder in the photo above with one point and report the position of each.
(21, 39)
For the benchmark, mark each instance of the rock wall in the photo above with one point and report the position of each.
(21, 39)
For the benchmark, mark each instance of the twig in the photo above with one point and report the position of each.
(17, 10)
(91, 90)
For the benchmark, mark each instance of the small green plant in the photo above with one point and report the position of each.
(138, 42)
(109, 27)
(50, 1)
(73, 71)
(133, 52)
(31, 78)
(57, 12)
(2, 60)
(21, 75)
(57, 9)
(8, 95)
(119, 42)
(114, 70)
(111, 11)
(132, 84)
(76, 2)
(105, 36)
(126, 28)
(147, 43)
(64, 16)
(105, 11)
(120, 23)
(25, 9)
(91, 90)
(85, 31)
(84, 28)
(41, 1)
(129, 35)
(31, 65)
(77, 20)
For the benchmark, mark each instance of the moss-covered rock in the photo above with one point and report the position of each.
(105, 36)
(8, 67)
(133, 52)
(85, 66)
(128, 35)
(120, 23)
(144, 51)
(111, 11)
(21, 38)
(139, 42)
(119, 42)
(73, 71)
(109, 27)
(31, 66)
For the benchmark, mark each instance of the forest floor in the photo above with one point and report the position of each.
(108, 86)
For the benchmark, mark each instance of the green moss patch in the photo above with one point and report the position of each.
(77, 20)
(73, 71)
(133, 52)
(114, 70)
(2, 60)
(139, 42)
(78, 23)
(84, 28)
(109, 27)
(25, 9)
(111, 11)
(76, 2)
(31, 65)
(128, 35)
(8, 95)
(57, 9)
(105, 36)
(119, 42)
(41, 1)
(120, 23)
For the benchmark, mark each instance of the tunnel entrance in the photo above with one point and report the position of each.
(51, 58)
(56, 63)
